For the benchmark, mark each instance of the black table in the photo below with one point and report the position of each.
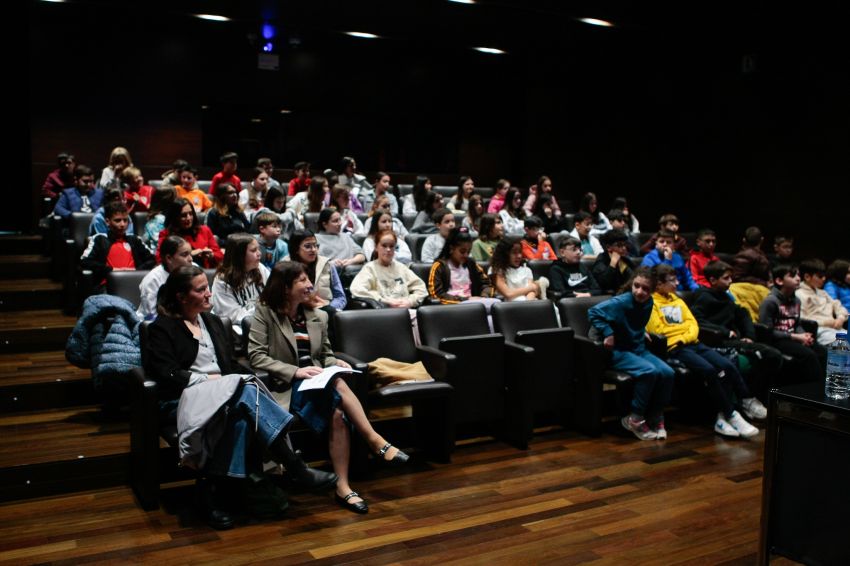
(806, 489)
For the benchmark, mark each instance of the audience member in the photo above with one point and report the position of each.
(386, 280)
(182, 220)
(568, 276)
(706, 242)
(817, 305)
(664, 253)
(229, 164)
(512, 279)
(454, 277)
(82, 197)
(444, 220)
(491, 231)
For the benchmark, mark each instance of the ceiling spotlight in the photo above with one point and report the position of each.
(596, 22)
(256, 120)
(463, 1)
(212, 17)
(361, 34)
(285, 111)
(490, 50)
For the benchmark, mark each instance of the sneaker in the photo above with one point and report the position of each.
(753, 408)
(660, 431)
(639, 428)
(722, 426)
(744, 428)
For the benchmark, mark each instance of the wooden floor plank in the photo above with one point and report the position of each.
(568, 500)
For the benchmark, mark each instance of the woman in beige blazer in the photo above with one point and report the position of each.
(289, 340)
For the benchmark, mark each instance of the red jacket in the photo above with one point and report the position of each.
(543, 251)
(297, 185)
(697, 264)
(220, 177)
(203, 239)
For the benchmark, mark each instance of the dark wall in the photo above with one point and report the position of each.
(724, 121)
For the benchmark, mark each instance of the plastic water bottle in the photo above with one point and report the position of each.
(838, 368)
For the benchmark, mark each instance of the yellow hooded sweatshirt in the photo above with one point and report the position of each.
(672, 318)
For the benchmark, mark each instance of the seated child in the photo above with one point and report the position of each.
(444, 221)
(783, 250)
(337, 246)
(590, 246)
(98, 222)
(386, 280)
(272, 248)
(82, 197)
(613, 268)
(456, 278)
(380, 222)
(751, 273)
(622, 323)
(116, 250)
(668, 223)
(229, 164)
(534, 245)
(497, 201)
(239, 280)
(715, 309)
(188, 189)
(838, 281)
(176, 252)
(706, 241)
(672, 319)
(817, 305)
(490, 232)
(664, 253)
(780, 312)
(137, 195)
(512, 279)
(619, 221)
(568, 276)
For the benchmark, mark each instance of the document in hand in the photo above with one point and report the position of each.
(321, 380)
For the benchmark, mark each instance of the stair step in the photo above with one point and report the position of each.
(21, 244)
(34, 330)
(29, 294)
(42, 380)
(24, 266)
(59, 451)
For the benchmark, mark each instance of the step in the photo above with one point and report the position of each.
(30, 294)
(24, 266)
(34, 330)
(21, 244)
(61, 451)
(34, 381)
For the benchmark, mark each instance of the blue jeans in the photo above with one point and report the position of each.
(653, 380)
(721, 376)
(250, 419)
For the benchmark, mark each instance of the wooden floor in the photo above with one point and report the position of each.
(694, 499)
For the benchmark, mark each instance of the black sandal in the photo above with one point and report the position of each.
(359, 507)
(397, 460)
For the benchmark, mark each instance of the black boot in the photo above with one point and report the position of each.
(302, 475)
(210, 501)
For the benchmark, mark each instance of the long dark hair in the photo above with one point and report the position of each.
(501, 259)
(179, 282)
(487, 225)
(475, 217)
(161, 200)
(459, 196)
(325, 217)
(420, 192)
(837, 272)
(518, 212)
(172, 218)
(642, 271)
(169, 246)
(273, 194)
(283, 276)
(222, 205)
(585, 206)
(316, 194)
(456, 237)
(232, 269)
(295, 241)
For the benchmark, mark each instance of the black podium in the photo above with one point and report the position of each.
(805, 513)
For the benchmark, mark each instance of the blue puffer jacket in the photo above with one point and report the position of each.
(105, 338)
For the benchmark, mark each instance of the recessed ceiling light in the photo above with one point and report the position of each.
(285, 111)
(212, 17)
(361, 34)
(490, 50)
(463, 1)
(204, 107)
(256, 120)
(596, 22)
(54, 1)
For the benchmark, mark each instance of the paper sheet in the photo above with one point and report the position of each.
(321, 380)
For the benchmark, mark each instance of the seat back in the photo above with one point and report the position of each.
(408, 220)
(210, 273)
(422, 270)
(510, 318)
(574, 312)
(140, 219)
(311, 221)
(125, 284)
(371, 334)
(540, 267)
(415, 243)
(437, 322)
(78, 229)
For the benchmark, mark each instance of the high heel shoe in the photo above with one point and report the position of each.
(399, 459)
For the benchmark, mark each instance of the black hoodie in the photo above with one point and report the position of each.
(716, 310)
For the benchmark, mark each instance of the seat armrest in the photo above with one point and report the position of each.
(355, 363)
(711, 337)
(810, 326)
(554, 295)
(657, 344)
(364, 303)
(436, 361)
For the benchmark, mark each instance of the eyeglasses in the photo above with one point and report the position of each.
(310, 246)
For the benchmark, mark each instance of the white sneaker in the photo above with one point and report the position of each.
(753, 408)
(638, 428)
(722, 426)
(744, 428)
